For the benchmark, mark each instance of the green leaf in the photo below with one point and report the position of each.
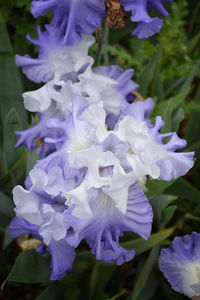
(7, 238)
(14, 167)
(10, 83)
(190, 78)
(50, 293)
(31, 160)
(117, 35)
(73, 293)
(177, 118)
(185, 190)
(146, 77)
(141, 245)
(12, 155)
(191, 217)
(145, 273)
(99, 278)
(54, 291)
(159, 89)
(156, 187)
(170, 294)
(30, 267)
(5, 44)
(166, 108)
(173, 84)
(149, 288)
(192, 129)
(6, 211)
(159, 202)
(192, 106)
(12, 123)
(193, 42)
(94, 281)
(167, 214)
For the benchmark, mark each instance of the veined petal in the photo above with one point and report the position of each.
(62, 254)
(55, 58)
(180, 264)
(147, 26)
(35, 137)
(62, 258)
(102, 232)
(72, 17)
(147, 29)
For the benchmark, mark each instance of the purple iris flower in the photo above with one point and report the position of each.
(40, 212)
(55, 58)
(75, 17)
(125, 87)
(116, 83)
(178, 163)
(35, 137)
(62, 254)
(146, 26)
(180, 264)
(103, 230)
(71, 17)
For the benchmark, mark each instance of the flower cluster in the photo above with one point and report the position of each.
(97, 143)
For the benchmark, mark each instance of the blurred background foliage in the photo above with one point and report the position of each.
(167, 67)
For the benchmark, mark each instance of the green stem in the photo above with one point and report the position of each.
(123, 292)
(106, 45)
(99, 46)
(102, 44)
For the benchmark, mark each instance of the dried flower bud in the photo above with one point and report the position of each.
(27, 243)
(38, 143)
(115, 14)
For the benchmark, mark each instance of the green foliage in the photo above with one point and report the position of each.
(145, 273)
(141, 245)
(30, 267)
(6, 212)
(12, 116)
(167, 67)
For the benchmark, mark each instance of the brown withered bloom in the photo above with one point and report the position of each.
(115, 14)
(38, 143)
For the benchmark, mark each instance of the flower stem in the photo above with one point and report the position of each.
(102, 43)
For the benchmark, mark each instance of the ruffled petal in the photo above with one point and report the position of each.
(55, 58)
(62, 258)
(27, 205)
(147, 29)
(125, 86)
(180, 264)
(36, 70)
(146, 26)
(178, 163)
(72, 17)
(35, 137)
(62, 254)
(19, 226)
(102, 232)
